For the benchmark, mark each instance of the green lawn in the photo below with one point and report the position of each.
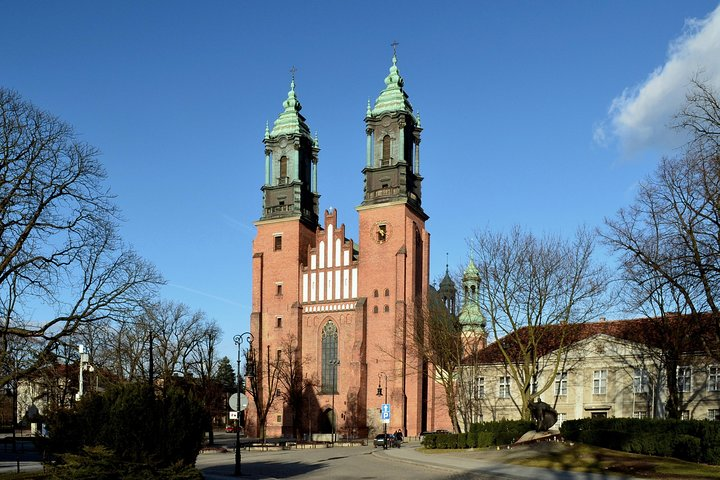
(586, 458)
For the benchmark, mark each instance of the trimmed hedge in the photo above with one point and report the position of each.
(692, 440)
(481, 435)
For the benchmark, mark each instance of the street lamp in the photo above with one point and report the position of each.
(238, 339)
(380, 394)
(335, 363)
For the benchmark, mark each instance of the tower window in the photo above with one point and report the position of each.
(375, 309)
(283, 170)
(381, 233)
(277, 245)
(387, 292)
(278, 322)
(386, 308)
(375, 293)
(386, 150)
(278, 289)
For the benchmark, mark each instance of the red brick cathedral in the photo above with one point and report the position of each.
(348, 308)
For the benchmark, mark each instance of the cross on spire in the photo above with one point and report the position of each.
(394, 45)
(292, 71)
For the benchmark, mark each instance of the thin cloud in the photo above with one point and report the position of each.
(208, 295)
(641, 116)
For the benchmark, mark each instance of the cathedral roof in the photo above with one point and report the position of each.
(393, 98)
(290, 120)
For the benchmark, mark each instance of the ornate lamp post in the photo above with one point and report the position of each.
(380, 394)
(238, 339)
(335, 363)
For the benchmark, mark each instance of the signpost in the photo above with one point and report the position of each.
(233, 402)
(385, 413)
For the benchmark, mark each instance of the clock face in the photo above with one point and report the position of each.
(381, 232)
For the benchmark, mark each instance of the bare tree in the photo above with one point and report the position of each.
(61, 261)
(529, 283)
(438, 342)
(291, 382)
(264, 381)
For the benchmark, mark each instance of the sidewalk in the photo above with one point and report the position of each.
(466, 463)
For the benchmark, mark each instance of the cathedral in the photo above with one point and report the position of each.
(349, 309)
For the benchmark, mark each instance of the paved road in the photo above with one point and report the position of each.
(361, 463)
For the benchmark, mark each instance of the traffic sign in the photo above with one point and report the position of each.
(385, 413)
(233, 402)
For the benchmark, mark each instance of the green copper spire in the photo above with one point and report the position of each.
(290, 120)
(471, 317)
(393, 98)
(369, 110)
(267, 129)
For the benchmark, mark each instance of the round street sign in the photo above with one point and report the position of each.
(233, 402)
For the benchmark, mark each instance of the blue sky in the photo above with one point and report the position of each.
(543, 114)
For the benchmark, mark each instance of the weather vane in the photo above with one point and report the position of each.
(394, 45)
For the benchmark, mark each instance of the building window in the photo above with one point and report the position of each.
(560, 419)
(386, 308)
(640, 381)
(386, 150)
(277, 243)
(504, 390)
(381, 233)
(375, 293)
(283, 170)
(279, 419)
(599, 382)
(278, 322)
(684, 379)
(329, 358)
(640, 414)
(713, 384)
(278, 355)
(598, 415)
(278, 289)
(480, 388)
(713, 414)
(375, 309)
(561, 383)
(685, 415)
(387, 292)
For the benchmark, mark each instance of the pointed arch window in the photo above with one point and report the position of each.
(283, 170)
(385, 160)
(329, 358)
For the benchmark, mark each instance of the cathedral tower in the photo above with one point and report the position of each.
(394, 263)
(285, 232)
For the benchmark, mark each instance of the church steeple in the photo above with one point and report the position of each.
(392, 168)
(448, 292)
(291, 156)
(471, 318)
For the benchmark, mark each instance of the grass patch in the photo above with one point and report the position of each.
(586, 458)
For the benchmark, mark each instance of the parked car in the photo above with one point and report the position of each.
(233, 429)
(380, 440)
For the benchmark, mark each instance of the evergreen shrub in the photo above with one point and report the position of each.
(692, 440)
(135, 424)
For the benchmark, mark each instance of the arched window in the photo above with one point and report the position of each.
(283, 170)
(387, 292)
(386, 308)
(386, 150)
(375, 309)
(329, 357)
(375, 293)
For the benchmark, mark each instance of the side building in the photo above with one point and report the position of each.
(607, 369)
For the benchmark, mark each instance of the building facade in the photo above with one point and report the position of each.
(607, 369)
(349, 312)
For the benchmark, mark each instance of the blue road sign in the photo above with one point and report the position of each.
(385, 412)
